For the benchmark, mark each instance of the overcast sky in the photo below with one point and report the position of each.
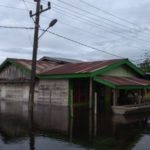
(120, 27)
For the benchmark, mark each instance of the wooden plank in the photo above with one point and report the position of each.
(90, 93)
(114, 97)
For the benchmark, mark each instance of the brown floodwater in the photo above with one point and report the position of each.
(51, 127)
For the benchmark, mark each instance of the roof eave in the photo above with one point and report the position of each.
(132, 87)
(64, 76)
(104, 82)
(125, 87)
(19, 66)
(117, 64)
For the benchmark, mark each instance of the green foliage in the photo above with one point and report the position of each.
(145, 65)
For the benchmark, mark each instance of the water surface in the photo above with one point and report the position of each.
(52, 128)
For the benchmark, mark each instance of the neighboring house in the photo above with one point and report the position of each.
(15, 79)
(111, 82)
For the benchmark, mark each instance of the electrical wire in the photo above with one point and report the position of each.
(77, 42)
(61, 36)
(11, 7)
(107, 31)
(16, 27)
(78, 28)
(28, 34)
(80, 43)
(85, 45)
(109, 13)
(93, 14)
(27, 8)
(87, 32)
(66, 38)
(88, 20)
(97, 25)
(27, 2)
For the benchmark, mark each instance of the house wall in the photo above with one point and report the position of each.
(53, 91)
(122, 71)
(12, 72)
(14, 92)
(46, 91)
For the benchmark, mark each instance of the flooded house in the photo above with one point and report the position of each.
(103, 85)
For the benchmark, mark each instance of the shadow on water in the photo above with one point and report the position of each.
(52, 128)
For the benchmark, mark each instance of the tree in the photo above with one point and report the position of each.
(145, 65)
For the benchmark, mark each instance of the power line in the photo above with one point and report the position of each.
(88, 20)
(97, 16)
(86, 31)
(28, 34)
(97, 25)
(16, 27)
(102, 10)
(80, 43)
(91, 18)
(111, 14)
(78, 17)
(33, 3)
(25, 5)
(85, 45)
(66, 38)
(11, 7)
(93, 14)
(17, 8)
(29, 28)
(28, 2)
(27, 8)
(78, 28)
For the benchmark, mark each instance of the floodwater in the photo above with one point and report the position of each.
(52, 128)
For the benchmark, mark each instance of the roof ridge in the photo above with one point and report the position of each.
(18, 59)
(100, 60)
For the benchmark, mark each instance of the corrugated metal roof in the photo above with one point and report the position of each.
(125, 81)
(84, 67)
(60, 60)
(40, 65)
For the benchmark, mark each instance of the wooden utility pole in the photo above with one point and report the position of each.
(34, 55)
(39, 10)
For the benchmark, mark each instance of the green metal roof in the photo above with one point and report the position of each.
(75, 70)
(123, 82)
(63, 71)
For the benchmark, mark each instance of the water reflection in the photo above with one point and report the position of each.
(52, 128)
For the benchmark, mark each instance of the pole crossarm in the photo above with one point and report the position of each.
(40, 10)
